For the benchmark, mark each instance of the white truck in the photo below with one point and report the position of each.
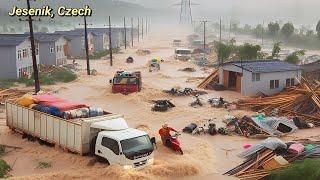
(107, 136)
(183, 54)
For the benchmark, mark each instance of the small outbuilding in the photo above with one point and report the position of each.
(259, 76)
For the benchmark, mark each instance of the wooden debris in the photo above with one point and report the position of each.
(212, 77)
(302, 101)
(12, 94)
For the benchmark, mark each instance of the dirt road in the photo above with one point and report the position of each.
(205, 156)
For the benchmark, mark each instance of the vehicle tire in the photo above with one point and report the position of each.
(93, 146)
(103, 160)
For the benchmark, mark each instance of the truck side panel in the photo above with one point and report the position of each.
(64, 133)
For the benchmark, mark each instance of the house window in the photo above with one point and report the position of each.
(274, 84)
(19, 54)
(255, 77)
(290, 82)
(24, 53)
(51, 49)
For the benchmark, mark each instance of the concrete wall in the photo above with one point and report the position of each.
(251, 88)
(8, 66)
(98, 43)
(76, 47)
(47, 57)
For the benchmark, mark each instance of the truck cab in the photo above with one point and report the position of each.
(183, 54)
(120, 145)
(126, 82)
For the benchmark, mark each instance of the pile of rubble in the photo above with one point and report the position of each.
(260, 126)
(302, 101)
(11, 94)
(272, 154)
(184, 92)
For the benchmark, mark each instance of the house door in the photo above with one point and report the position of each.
(238, 82)
(225, 78)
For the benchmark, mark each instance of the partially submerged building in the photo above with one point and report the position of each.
(261, 76)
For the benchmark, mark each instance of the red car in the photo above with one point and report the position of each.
(126, 82)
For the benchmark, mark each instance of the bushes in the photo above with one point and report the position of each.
(4, 168)
(58, 75)
(307, 170)
(63, 75)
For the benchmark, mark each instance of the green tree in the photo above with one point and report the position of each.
(223, 51)
(248, 51)
(293, 58)
(276, 50)
(273, 28)
(287, 30)
(318, 29)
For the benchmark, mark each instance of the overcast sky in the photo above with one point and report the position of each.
(248, 11)
(245, 11)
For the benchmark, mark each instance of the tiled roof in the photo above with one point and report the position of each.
(263, 66)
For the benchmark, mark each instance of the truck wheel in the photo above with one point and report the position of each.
(93, 146)
(103, 160)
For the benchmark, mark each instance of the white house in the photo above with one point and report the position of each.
(16, 56)
(262, 76)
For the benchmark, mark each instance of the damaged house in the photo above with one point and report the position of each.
(261, 76)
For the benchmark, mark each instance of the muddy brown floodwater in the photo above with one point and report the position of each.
(205, 157)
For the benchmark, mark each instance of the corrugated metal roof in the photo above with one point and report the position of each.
(12, 39)
(264, 66)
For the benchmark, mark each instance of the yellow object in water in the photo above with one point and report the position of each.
(26, 100)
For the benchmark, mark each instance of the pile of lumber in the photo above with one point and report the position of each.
(12, 94)
(212, 77)
(302, 101)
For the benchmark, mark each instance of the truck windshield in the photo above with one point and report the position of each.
(136, 146)
(183, 52)
(124, 80)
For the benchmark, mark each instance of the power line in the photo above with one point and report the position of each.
(110, 42)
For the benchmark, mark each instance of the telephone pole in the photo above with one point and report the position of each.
(138, 29)
(262, 33)
(132, 32)
(33, 51)
(220, 32)
(110, 42)
(146, 27)
(142, 28)
(204, 38)
(125, 33)
(86, 44)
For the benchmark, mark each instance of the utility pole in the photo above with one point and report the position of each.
(125, 33)
(204, 38)
(262, 33)
(86, 44)
(219, 58)
(220, 32)
(110, 42)
(146, 27)
(138, 29)
(230, 30)
(131, 32)
(33, 51)
(142, 28)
